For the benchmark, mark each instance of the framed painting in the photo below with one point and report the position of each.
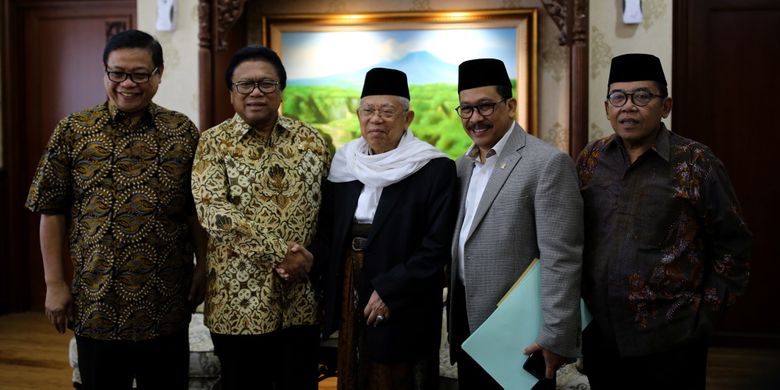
(327, 56)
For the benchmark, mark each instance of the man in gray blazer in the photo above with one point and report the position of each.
(519, 200)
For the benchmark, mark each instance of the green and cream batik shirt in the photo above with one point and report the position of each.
(253, 195)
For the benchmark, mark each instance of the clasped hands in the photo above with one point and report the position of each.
(296, 264)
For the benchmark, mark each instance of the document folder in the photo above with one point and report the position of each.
(497, 345)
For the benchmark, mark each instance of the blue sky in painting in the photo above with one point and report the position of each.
(427, 56)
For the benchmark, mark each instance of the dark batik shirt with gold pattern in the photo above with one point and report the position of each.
(253, 194)
(124, 185)
(666, 245)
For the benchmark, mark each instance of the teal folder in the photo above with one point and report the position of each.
(497, 345)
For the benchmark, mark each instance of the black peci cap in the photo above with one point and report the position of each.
(384, 81)
(482, 72)
(636, 67)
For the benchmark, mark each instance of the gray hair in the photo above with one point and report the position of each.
(404, 102)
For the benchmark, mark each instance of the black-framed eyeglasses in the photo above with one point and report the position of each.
(485, 109)
(640, 97)
(137, 77)
(245, 87)
(384, 112)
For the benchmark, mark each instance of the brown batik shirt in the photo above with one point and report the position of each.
(253, 195)
(123, 184)
(666, 244)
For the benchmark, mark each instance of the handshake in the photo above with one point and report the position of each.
(296, 264)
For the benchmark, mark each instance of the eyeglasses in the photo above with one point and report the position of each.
(485, 109)
(246, 87)
(138, 77)
(640, 97)
(383, 112)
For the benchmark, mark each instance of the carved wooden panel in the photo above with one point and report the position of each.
(228, 12)
(571, 17)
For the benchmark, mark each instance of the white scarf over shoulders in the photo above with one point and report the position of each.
(354, 162)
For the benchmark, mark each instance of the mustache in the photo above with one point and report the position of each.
(482, 124)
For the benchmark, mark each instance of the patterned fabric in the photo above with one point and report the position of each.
(352, 338)
(665, 238)
(124, 185)
(355, 370)
(253, 195)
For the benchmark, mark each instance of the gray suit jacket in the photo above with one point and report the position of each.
(531, 207)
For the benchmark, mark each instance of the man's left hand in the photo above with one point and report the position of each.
(552, 361)
(376, 311)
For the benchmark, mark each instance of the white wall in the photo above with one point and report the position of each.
(179, 88)
(609, 37)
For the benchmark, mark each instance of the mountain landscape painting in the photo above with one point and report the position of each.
(325, 72)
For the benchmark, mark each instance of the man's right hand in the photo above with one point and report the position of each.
(296, 264)
(59, 305)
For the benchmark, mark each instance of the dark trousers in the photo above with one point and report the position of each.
(470, 374)
(280, 360)
(160, 363)
(682, 367)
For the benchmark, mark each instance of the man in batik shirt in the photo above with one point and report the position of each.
(256, 182)
(666, 247)
(116, 178)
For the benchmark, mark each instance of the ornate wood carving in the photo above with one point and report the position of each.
(557, 11)
(215, 20)
(228, 12)
(578, 115)
(579, 30)
(571, 17)
(204, 23)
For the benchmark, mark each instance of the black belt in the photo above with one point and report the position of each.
(359, 232)
(359, 244)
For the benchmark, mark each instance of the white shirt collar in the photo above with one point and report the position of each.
(473, 152)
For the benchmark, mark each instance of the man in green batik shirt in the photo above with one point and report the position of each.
(256, 182)
(116, 179)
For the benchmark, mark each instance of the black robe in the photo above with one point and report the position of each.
(408, 247)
